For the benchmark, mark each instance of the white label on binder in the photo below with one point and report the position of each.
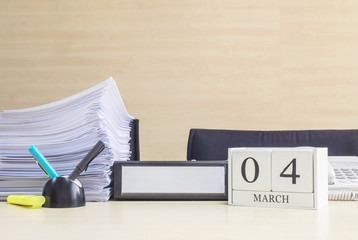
(173, 179)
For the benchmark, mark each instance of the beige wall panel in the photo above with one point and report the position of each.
(232, 64)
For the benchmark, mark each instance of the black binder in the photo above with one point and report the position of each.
(170, 180)
(134, 142)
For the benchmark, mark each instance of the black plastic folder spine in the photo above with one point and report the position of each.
(170, 180)
(134, 142)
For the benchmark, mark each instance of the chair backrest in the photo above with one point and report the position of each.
(209, 144)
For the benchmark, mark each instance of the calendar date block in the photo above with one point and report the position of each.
(278, 177)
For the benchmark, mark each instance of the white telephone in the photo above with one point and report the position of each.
(343, 178)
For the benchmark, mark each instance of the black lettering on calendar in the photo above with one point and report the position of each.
(271, 198)
(243, 170)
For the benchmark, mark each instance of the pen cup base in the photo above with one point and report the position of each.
(61, 192)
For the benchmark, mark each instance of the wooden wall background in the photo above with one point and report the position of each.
(231, 64)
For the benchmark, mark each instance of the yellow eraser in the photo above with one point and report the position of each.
(30, 201)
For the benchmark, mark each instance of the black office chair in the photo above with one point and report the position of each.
(209, 144)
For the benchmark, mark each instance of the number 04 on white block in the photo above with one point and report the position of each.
(278, 177)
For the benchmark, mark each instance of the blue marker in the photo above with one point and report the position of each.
(43, 163)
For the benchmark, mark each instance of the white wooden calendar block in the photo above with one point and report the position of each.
(297, 177)
(292, 170)
(255, 168)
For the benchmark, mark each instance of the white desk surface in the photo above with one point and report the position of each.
(172, 220)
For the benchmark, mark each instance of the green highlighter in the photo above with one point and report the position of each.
(29, 201)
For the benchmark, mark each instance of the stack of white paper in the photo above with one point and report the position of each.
(64, 131)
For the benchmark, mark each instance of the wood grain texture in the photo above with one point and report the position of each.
(232, 64)
(178, 220)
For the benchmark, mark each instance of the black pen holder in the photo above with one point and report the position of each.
(61, 192)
